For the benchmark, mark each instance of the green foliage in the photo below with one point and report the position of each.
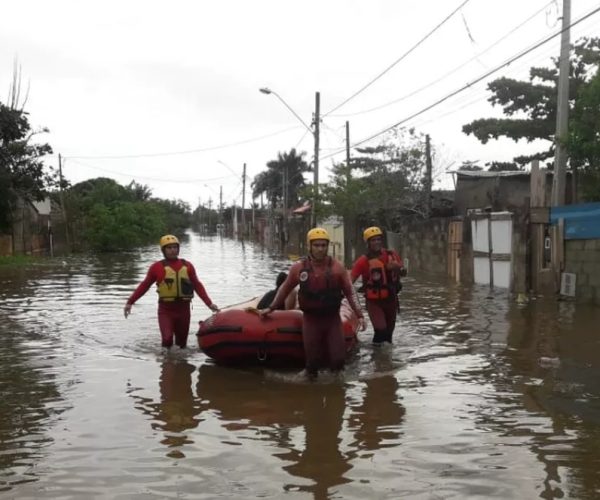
(106, 216)
(384, 181)
(177, 214)
(470, 166)
(584, 138)
(123, 225)
(270, 181)
(22, 171)
(502, 166)
(531, 105)
(17, 260)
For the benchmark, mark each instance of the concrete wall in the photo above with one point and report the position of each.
(423, 243)
(582, 257)
(499, 193)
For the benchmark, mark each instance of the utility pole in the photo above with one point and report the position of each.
(208, 215)
(62, 201)
(316, 162)
(562, 111)
(348, 175)
(221, 205)
(428, 176)
(348, 219)
(244, 202)
(284, 201)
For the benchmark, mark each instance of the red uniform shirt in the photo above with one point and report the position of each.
(361, 266)
(156, 274)
(320, 268)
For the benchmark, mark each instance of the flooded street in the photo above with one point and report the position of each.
(480, 397)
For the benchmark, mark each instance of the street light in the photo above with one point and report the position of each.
(315, 134)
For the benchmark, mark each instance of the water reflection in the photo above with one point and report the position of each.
(178, 410)
(479, 397)
(277, 410)
(555, 357)
(30, 403)
(376, 421)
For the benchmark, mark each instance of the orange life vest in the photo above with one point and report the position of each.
(382, 283)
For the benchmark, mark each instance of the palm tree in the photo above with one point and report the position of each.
(289, 166)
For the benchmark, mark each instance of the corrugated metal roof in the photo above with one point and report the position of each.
(486, 173)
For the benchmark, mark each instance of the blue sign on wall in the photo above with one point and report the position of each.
(582, 222)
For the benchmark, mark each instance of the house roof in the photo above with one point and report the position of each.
(488, 174)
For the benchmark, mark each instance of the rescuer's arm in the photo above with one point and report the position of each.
(141, 289)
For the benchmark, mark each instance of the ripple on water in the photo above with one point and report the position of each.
(459, 407)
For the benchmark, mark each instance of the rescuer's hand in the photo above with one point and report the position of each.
(127, 310)
(214, 308)
(263, 313)
(362, 324)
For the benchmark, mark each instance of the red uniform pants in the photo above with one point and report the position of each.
(174, 319)
(383, 318)
(324, 343)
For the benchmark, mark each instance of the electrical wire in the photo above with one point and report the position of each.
(403, 56)
(186, 152)
(449, 73)
(470, 84)
(144, 178)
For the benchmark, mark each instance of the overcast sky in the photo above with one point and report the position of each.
(171, 88)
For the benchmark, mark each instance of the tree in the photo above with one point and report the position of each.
(531, 105)
(22, 170)
(109, 217)
(470, 166)
(584, 138)
(270, 181)
(383, 183)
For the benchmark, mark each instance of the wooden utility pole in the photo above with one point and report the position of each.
(428, 176)
(316, 162)
(562, 113)
(208, 215)
(244, 201)
(348, 175)
(220, 204)
(62, 201)
(348, 219)
(284, 201)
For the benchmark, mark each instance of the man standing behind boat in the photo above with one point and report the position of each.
(381, 270)
(176, 282)
(323, 283)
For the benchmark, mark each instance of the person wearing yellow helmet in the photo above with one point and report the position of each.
(176, 281)
(380, 270)
(323, 282)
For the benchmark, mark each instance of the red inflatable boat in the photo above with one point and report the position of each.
(238, 336)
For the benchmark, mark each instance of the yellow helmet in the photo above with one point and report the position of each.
(370, 232)
(168, 239)
(317, 233)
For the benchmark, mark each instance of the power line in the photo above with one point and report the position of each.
(470, 84)
(446, 75)
(190, 151)
(155, 179)
(403, 56)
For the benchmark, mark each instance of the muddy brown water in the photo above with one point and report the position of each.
(478, 398)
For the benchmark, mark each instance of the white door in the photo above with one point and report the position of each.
(492, 265)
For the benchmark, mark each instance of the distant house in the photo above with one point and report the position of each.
(32, 228)
(496, 191)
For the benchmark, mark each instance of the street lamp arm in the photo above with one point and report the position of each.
(268, 91)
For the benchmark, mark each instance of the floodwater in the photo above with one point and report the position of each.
(480, 397)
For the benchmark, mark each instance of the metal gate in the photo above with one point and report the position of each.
(492, 248)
